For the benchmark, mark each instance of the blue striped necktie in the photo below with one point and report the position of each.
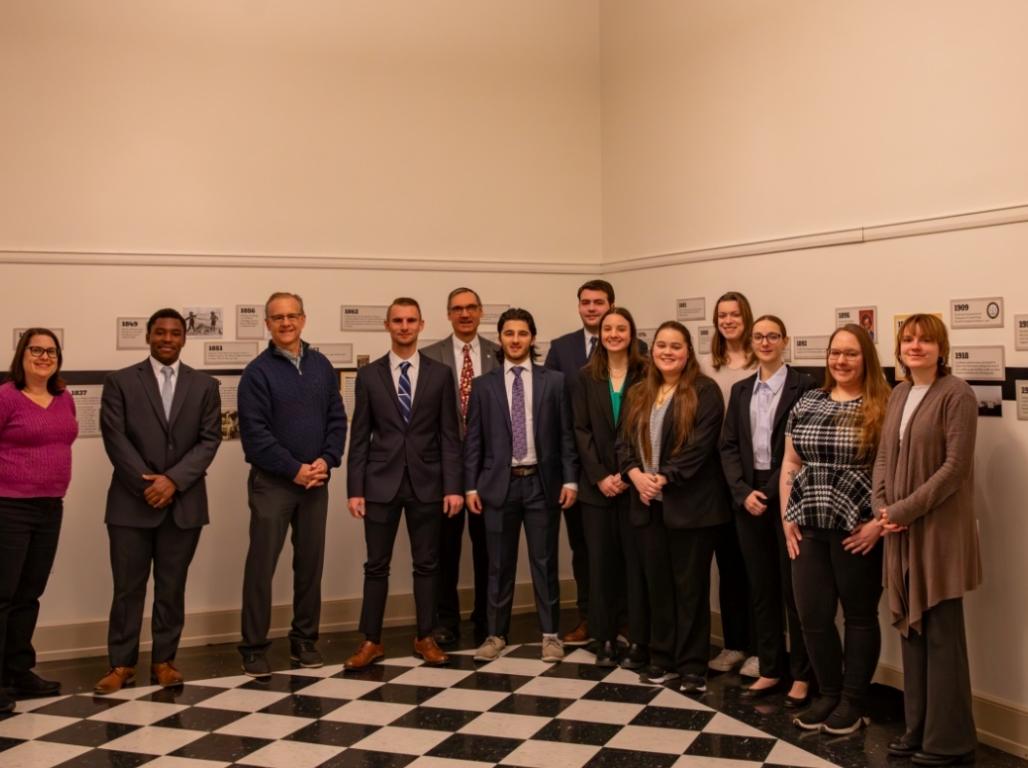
(405, 393)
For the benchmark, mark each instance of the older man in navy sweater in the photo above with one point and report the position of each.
(293, 427)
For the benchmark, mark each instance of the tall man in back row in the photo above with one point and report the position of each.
(468, 355)
(293, 428)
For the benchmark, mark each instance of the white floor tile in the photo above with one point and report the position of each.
(264, 726)
(558, 687)
(371, 712)
(624, 677)
(240, 700)
(291, 754)
(579, 655)
(612, 712)
(29, 705)
(722, 723)
(473, 701)
(434, 677)
(153, 740)
(233, 681)
(139, 712)
(551, 754)
(32, 725)
(508, 666)
(405, 741)
(700, 761)
(784, 753)
(401, 661)
(39, 754)
(167, 761)
(505, 725)
(676, 700)
(445, 762)
(130, 692)
(340, 688)
(327, 671)
(642, 738)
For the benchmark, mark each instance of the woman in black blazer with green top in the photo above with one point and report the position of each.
(752, 446)
(616, 581)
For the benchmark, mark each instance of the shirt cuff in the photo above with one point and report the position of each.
(571, 486)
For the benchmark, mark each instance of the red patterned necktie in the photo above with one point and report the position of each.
(467, 373)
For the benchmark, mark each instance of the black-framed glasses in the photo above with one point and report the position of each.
(770, 338)
(50, 352)
(291, 317)
(457, 309)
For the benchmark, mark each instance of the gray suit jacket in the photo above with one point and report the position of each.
(140, 440)
(443, 352)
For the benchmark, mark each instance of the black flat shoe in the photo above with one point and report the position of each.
(759, 693)
(794, 703)
(927, 758)
(607, 655)
(901, 747)
(29, 685)
(636, 657)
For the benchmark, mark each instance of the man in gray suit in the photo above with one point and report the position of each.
(161, 426)
(468, 355)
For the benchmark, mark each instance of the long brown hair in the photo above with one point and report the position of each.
(54, 385)
(875, 390)
(718, 342)
(933, 329)
(598, 366)
(643, 395)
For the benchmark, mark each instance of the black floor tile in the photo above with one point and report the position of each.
(221, 746)
(79, 706)
(106, 758)
(672, 717)
(540, 706)
(731, 747)
(395, 693)
(299, 705)
(89, 733)
(366, 758)
(627, 694)
(462, 661)
(280, 683)
(6, 743)
(573, 671)
(531, 651)
(376, 673)
(577, 732)
(184, 694)
(488, 681)
(463, 746)
(333, 733)
(627, 758)
(201, 719)
(436, 719)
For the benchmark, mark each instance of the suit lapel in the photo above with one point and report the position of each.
(792, 383)
(185, 379)
(600, 391)
(487, 355)
(667, 432)
(745, 427)
(538, 393)
(579, 350)
(149, 384)
(424, 377)
(499, 387)
(386, 377)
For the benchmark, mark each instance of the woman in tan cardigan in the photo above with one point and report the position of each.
(924, 495)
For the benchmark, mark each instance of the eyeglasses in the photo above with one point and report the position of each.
(50, 352)
(849, 354)
(291, 317)
(770, 338)
(457, 310)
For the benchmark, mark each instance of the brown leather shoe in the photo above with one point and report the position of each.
(579, 635)
(115, 680)
(365, 655)
(427, 649)
(165, 675)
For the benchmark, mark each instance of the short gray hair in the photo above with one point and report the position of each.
(282, 295)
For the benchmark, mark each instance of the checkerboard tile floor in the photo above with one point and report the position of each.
(515, 711)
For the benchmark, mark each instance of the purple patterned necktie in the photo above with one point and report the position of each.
(517, 414)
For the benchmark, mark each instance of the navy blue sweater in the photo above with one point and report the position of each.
(289, 417)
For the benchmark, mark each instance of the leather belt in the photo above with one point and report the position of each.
(525, 470)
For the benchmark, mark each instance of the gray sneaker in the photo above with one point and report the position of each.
(553, 649)
(490, 649)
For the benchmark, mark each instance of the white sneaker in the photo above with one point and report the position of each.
(727, 660)
(750, 667)
(490, 649)
(553, 649)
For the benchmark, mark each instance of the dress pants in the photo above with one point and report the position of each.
(770, 580)
(381, 522)
(615, 572)
(480, 560)
(937, 682)
(29, 529)
(525, 505)
(579, 556)
(276, 505)
(447, 598)
(169, 549)
(823, 575)
(733, 590)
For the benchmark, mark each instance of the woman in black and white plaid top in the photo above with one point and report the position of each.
(832, 537)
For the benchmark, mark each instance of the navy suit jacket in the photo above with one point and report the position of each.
(567, 355)
(140, 440)
(382, 444)
(489, 441)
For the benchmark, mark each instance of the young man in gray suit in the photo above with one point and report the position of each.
(468, 355)
(161, 426)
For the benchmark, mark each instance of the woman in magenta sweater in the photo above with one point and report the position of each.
(37, 428)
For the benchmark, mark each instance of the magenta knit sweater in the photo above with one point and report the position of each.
(35, 445)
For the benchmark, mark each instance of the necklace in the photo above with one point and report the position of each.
(664, 392)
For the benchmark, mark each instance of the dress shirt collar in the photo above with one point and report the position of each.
(395, 361)
(157, 365)
(775, 383)
(508, 366)
(458, 346)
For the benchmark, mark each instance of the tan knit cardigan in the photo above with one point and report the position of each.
(927, 483)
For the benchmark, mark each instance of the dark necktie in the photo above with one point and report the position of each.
(592, 346)
(517, 414)
(467, 373)
(405, 393)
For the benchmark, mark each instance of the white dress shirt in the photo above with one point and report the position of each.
(763, 405)
(412, 373)
(157, 365)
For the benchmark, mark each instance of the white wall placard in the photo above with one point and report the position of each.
(1021, 391)
(691, 309)
(362, 317)
(347, 390)
(131, 333)
(1021, 332)
(19, 331)
(976, 313)
(337, 353)
(865, 317)
(87, 407)
(703, 336)
(810, 347)
(228, 387)
(204, 321)
(979, 363)
(491, 314)
(229, 352)
(250, 321)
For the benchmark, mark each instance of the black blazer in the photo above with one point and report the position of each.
(140, 440)
(567, 355)
(489, 444)
(695, 495)
(382, 444)
(596, 434)
(737, 437)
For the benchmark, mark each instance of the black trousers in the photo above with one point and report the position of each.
(29, 529)
(616, 581)
(769, 572)
(676, 563)
(447, 597)
(480, 560)
(168, 550)
(381, 522)
(579, 556)
(526, 506)
(937, 682)
(733, 590)
(824, 575)
(276, 505)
